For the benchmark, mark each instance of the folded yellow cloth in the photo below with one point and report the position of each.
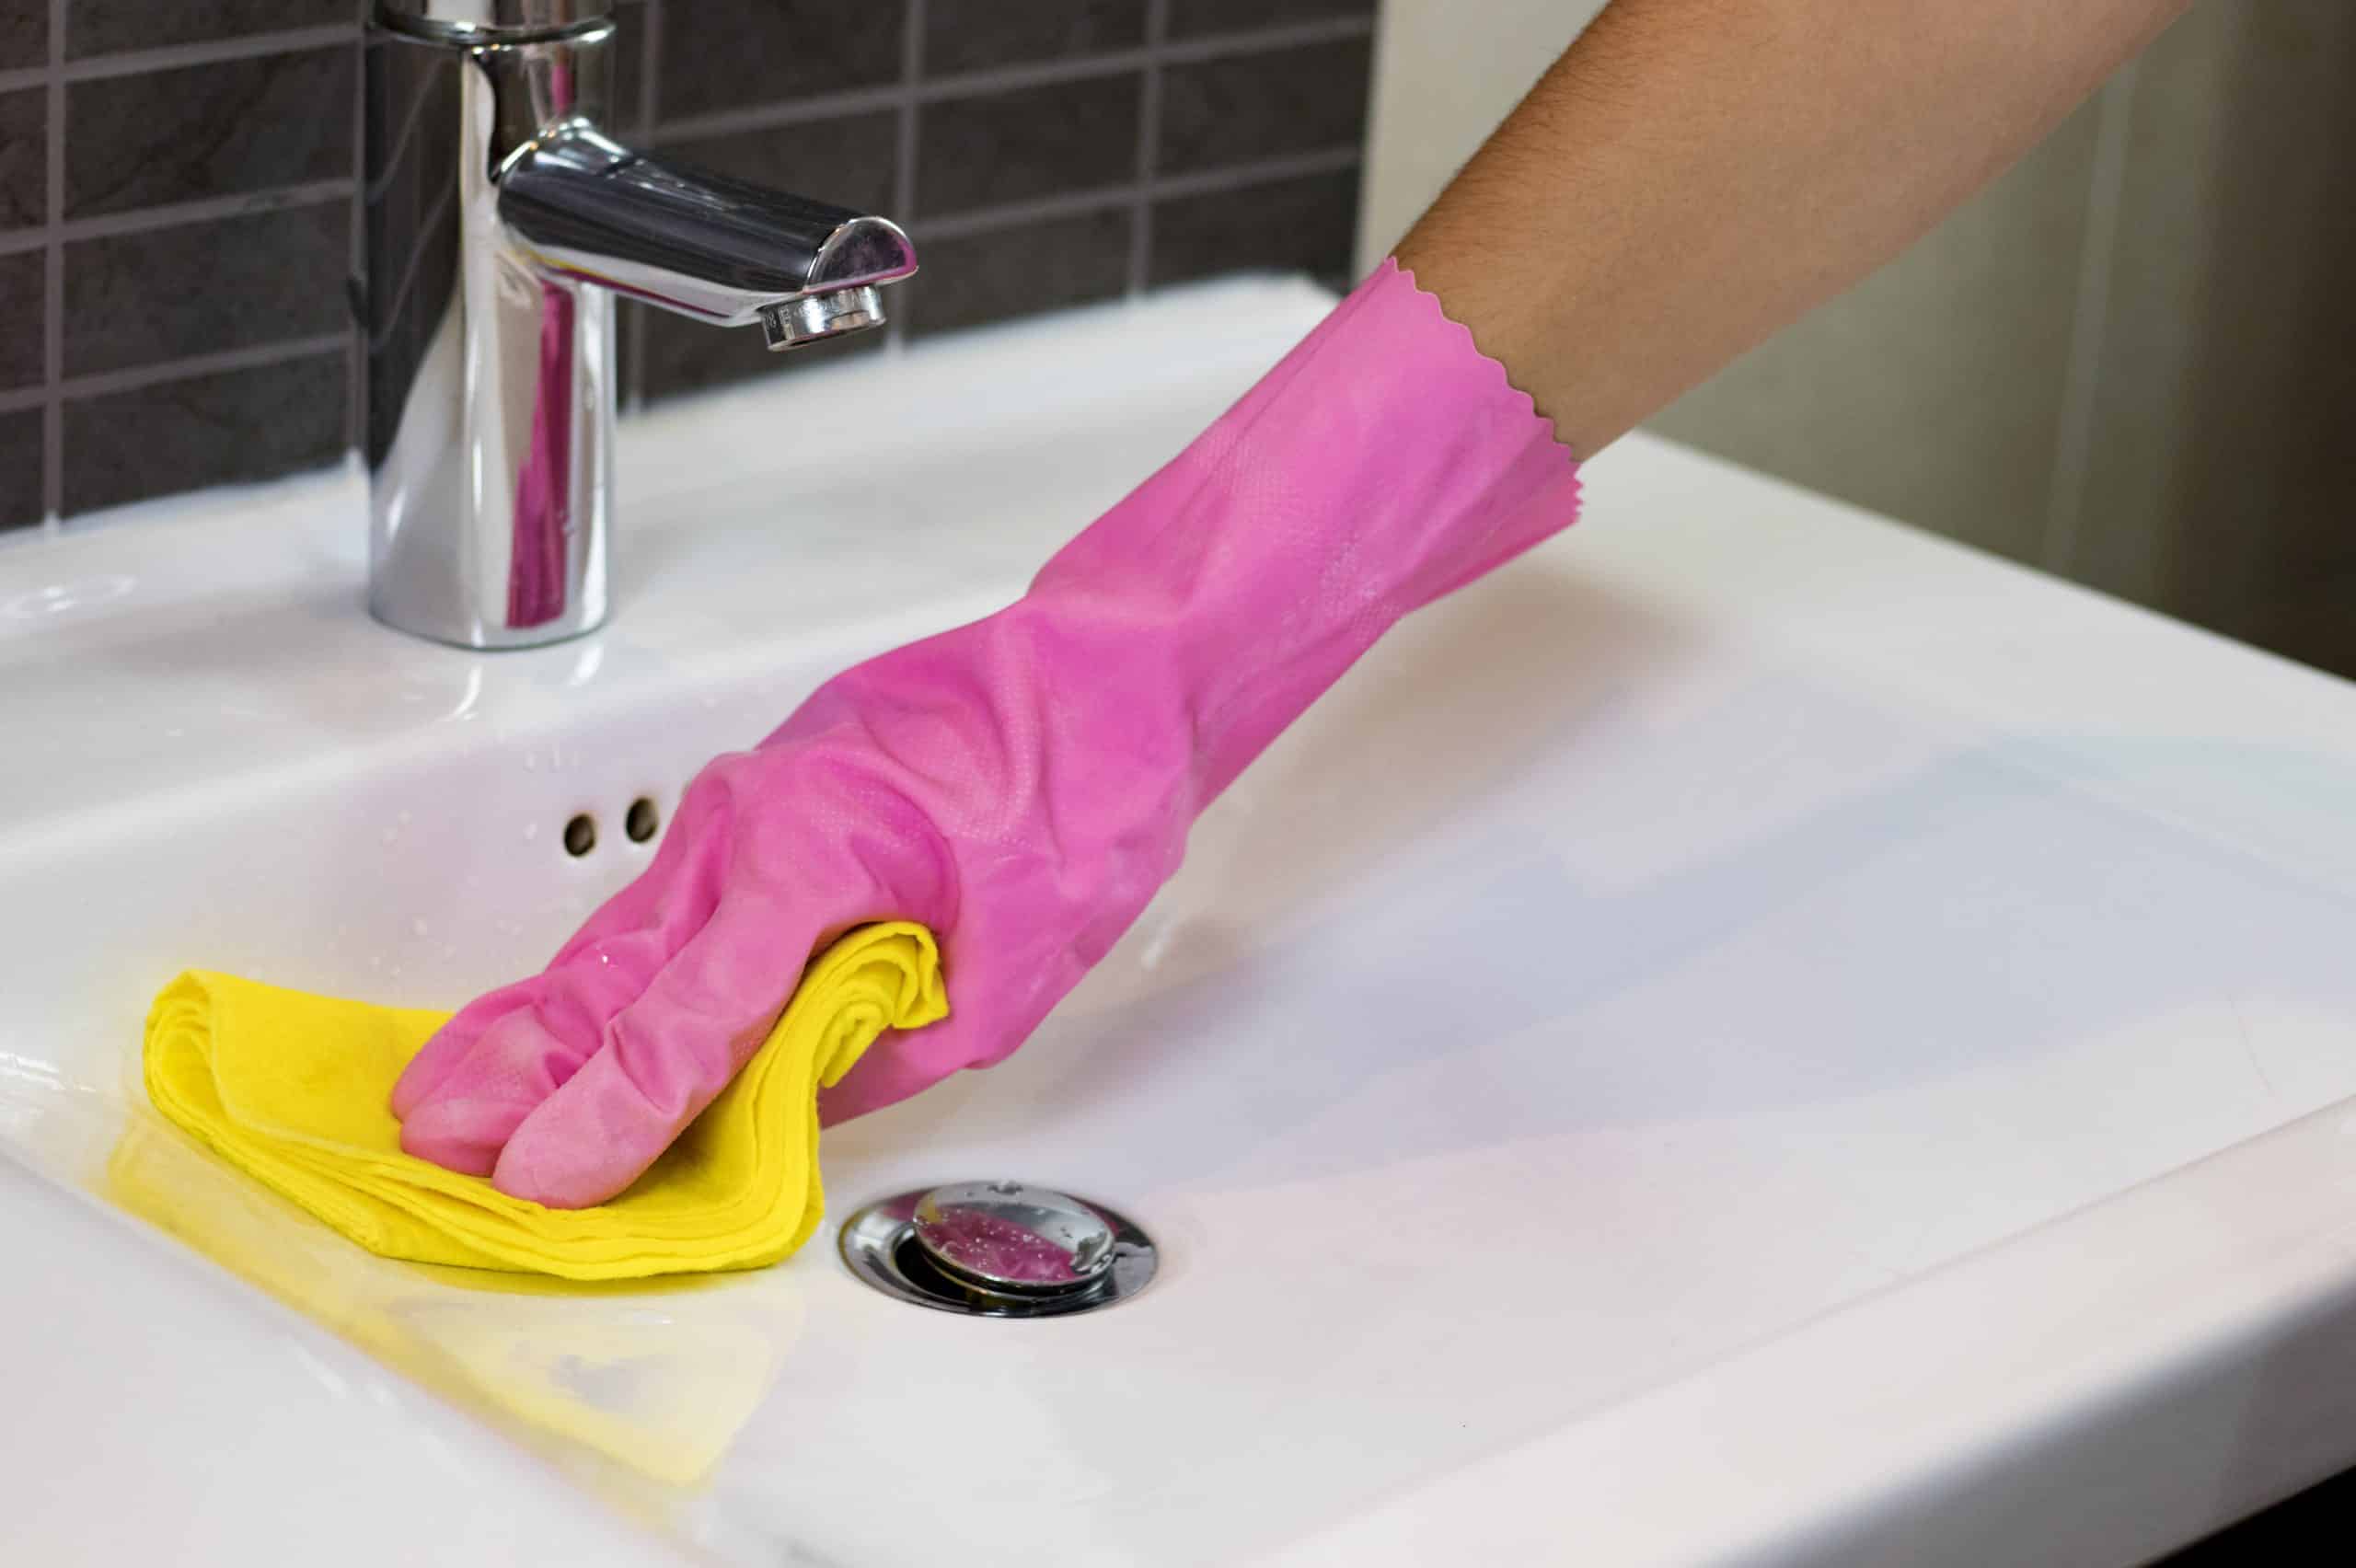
(293, 1089)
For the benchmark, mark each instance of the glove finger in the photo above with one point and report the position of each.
(663, 1058)
(519, 1059)
(485, 1069)
(451, 1043)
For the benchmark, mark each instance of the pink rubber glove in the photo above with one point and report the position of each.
(1021, 785)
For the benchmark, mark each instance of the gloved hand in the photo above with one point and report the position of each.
(1021, 785)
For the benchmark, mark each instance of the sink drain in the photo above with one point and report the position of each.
(998, 1250)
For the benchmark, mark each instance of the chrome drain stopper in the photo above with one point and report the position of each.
(998, 1250)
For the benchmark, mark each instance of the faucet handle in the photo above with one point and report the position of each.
(579, 205)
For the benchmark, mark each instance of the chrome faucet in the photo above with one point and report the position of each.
(500, 223)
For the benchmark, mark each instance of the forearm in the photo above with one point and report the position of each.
(1694, 174)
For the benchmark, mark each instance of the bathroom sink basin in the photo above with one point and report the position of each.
(1753, 1034)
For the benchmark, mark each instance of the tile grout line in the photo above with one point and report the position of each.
(1260, 171)
(1208, 182)
(904, 169)
(1263, 40)
(650, 105)
(172, 214)
(770, 116)
(213, 52)
(1011, 78)
(2089, 324)
(52, 413)
(132, 378)
(1039, 209)
(24, 78)
(1157, 34)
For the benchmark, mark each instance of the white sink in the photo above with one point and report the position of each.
(1752, 1034)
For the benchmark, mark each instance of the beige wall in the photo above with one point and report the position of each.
(1445, 73)
(2132, 360)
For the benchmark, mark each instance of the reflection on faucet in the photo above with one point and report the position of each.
(632, 1384)
(536, 585)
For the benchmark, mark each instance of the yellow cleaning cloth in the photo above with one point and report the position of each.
(293, 1089)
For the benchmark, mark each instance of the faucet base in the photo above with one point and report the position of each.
(482, 638)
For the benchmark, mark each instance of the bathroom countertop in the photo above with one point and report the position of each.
(1857, 1037)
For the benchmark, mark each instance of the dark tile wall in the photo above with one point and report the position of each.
(177, 181)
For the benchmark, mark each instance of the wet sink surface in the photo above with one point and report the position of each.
(1728, 1038)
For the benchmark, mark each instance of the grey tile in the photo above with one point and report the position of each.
(1294, 226)
(968, 35)
(106, 26)
(24, 34)
(851, 162)
(410, 222)
(408, 92)
(689, 356)
(1241, 106)
(209, 430)
(162, 294)
(1933, 390)
(627, 55)
(1019, 270)
(1192, 19)
(22, 302)
(207, 131)
(20, 447)
(24, 158)
(402, 318)
(1011, 146)
(736, 53)
(2221, 480)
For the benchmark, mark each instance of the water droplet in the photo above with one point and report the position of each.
(418, 927)
(375, 961)
(449, 949)
(531, 761)
(390, 835)
(531, 831)
(401, 817)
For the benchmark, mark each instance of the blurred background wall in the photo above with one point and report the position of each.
(2131, 361)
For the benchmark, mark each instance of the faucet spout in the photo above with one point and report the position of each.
(579, 205)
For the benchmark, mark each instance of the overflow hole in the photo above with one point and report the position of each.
(642, 822)
(579, 835)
